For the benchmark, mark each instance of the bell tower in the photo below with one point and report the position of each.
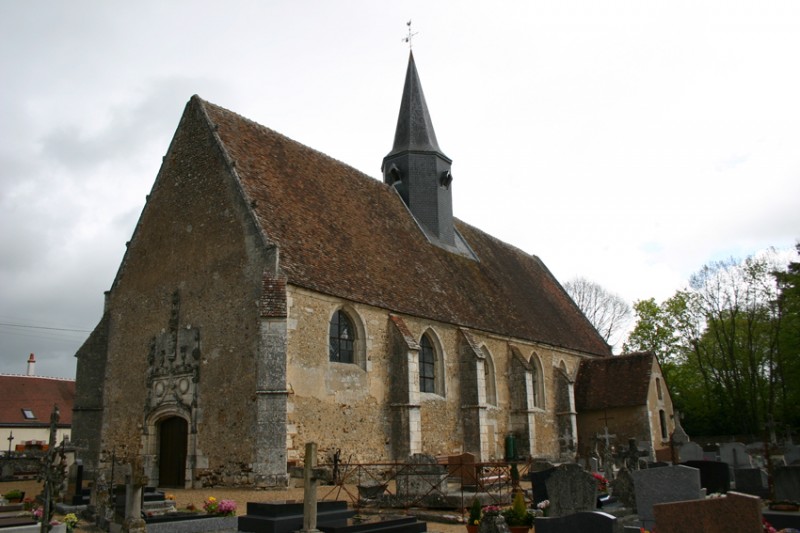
(417, 168)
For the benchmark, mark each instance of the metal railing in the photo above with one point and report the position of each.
(430, 485)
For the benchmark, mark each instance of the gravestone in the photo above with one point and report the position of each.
(539, 484)
(787, 483)
(714, 476)
(423, 477)
(571, 489)
(690, 451)
(735, 454)
(462, 467)
(622, 488)
(792, 455)
(751, 481)
(287, 516)
(736, 512)
(662, 485)
(584, 522)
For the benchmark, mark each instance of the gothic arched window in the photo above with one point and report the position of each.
(427, 365)
(342, 338)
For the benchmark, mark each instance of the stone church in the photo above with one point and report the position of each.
(271, 295)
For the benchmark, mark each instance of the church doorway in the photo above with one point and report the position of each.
(172, 442)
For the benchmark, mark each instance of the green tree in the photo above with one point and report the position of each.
(787, 393)
(725, 344)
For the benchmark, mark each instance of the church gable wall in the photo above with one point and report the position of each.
(191, 277)
(657, 401)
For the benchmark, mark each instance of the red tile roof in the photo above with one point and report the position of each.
(343, 233)
(621, 381)
(37, 394)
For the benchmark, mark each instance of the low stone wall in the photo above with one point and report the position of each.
(12, 468)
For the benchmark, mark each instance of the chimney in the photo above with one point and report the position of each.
(31, 365)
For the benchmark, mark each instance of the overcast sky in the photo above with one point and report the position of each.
(626, 142)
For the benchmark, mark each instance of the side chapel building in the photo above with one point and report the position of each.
(272, 295)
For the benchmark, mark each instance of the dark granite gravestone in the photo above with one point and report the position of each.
(661, 485)
(571, 489)
(751, 481)
(792, 455)
(375, 523)
(714, 475)
(287, 516)
(787, 483)
(539, 484)
(782, 520)
(657, 464)
(583, 522)
(736, 512)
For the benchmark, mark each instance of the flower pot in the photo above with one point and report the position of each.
(518, 529)
(473, 529)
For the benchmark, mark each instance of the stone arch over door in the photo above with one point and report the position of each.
(173, 439)
(169, 445)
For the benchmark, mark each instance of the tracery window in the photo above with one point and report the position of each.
(488, 373)
(427, 365)
(342, 338)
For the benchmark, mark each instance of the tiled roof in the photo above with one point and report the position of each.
(343, 233)
(621, 381)
(38, 395)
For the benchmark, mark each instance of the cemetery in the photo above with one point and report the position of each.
(731, 487)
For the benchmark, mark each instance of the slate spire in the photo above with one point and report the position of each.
(416, 166)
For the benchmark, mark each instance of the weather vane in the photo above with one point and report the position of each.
(407, 38)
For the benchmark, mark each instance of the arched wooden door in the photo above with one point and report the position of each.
(172, 452)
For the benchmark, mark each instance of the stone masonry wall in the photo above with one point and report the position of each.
(341, 406)
(194, 239)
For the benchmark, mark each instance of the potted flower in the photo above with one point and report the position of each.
(14, 496)
(517, 517)
(220, 507)
(474, 516)
(71, 520)
(602, 488)
(543, 507)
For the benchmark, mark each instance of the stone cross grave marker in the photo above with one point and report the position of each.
(311, 477)
(662, 485)
(571, 489)
(736, 512)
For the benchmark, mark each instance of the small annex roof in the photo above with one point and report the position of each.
(343, 233)
(621, 381)
(29, 400)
